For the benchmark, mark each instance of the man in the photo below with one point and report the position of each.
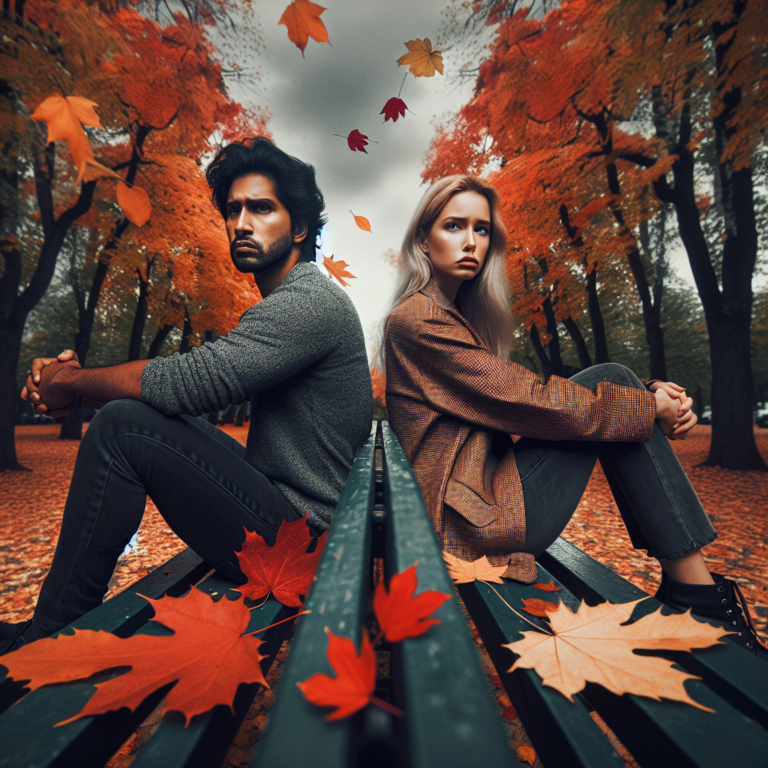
(300, 356)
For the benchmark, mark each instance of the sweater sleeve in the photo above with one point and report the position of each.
(460, 377)
(274, 340)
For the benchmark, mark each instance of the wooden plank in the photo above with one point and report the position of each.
(451, 718)
(666, 733)
(563, 733)
(734, 673)
(26, 730)
(298, 734)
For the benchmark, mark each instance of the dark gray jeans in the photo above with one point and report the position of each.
(659, 507)
(195, 474)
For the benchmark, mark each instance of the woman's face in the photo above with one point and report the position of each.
(458, 241)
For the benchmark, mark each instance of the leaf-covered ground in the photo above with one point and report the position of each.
(31, 505)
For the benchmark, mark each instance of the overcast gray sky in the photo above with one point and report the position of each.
(337, 88)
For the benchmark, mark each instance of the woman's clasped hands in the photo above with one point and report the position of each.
(673, 409)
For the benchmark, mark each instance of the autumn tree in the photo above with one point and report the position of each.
(655, 101)
(152, 115)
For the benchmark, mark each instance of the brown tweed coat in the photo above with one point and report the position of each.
(453, 405)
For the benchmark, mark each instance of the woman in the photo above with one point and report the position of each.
(454, 399)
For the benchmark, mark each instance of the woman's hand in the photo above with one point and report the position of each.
(673, 410)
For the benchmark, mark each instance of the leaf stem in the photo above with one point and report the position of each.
(386, 706)
(535, 626)
(377, 638)
(282, 621)
(402, 84)
(262, 603)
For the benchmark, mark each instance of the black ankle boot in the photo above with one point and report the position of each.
(13, 636)
(722, 602)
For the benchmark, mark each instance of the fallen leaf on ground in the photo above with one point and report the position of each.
(462, 571)
(393, 109)
(357, 141)
(362, 222)
(591, 645)
(422, 60)
(208, 655)
(337, 269)
(135, 203)
(538, 607)
(302, 18)
(526, 755)
(550, 587)
(400, 613)
(286, 569)
(355, 680)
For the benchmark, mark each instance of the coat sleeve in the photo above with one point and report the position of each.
(461, 378)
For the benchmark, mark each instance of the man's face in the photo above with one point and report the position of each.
(258, 224)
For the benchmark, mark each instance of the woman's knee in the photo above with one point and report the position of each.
(614, 373)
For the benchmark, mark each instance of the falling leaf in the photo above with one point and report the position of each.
(362, 222)
(94, 170)
(208, 655)
(286, 569)
(393, 109)
(400, 613)
(353, 686)
(357, 141)
(337, 269)
(538, 607)
(62, 116)
(550, 587)
(302, 18)
(462, 571)
(135, 203)
(526, 755)
(591, 645)
(422, 59)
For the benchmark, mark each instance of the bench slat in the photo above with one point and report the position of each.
(735, 674)
(451, 718)
(298, 734)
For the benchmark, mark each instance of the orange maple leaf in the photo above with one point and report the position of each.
(525, 754)
(401, 614)
(538, 607)
(135, 203)
(594, 645)
(463, 572)
(286, 569)
(355, 680)
(362, 222)
(550, 587)
(208, 657)
(302, 18)
(422, 59)
(337, 269)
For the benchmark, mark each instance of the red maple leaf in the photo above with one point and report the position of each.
(285, 570)
(399, 613)
(357, 141)
(352, 688)
(393, 109)
(208, 656)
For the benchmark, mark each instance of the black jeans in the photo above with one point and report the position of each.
(195, 474)
(659, 507)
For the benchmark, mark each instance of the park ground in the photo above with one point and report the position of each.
(31, 506)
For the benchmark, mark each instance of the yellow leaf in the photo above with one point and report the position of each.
(362, 222)
(422, 60)
(526, 755)
(94, 170)
(135, 203)
(302, 18)
(462, 572)
(337, 269)
(591, 645)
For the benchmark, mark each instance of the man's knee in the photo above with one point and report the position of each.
(116, 415)
(614, 373)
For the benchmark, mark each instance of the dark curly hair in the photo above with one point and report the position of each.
(294, 180)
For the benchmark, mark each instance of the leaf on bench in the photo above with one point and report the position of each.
(538, 607)
(208, 656)
(286, 570)
(463, 572)
(355, 680)
(402, 614)
(594, 645)
(550, 587)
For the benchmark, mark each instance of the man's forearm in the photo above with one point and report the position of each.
(103, 384)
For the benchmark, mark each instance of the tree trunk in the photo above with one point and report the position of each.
(140, 318)
(540, 353)
(11, 332)
(578, 341)
(596, 318)
(242, 413)
(157, 342)
(553, 346)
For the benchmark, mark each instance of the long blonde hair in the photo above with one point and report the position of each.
(483, 300)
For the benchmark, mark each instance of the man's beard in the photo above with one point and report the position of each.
(277, 252)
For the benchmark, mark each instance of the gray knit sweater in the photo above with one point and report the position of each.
(300, 356)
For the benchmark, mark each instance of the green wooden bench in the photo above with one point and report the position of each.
(450, 717)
